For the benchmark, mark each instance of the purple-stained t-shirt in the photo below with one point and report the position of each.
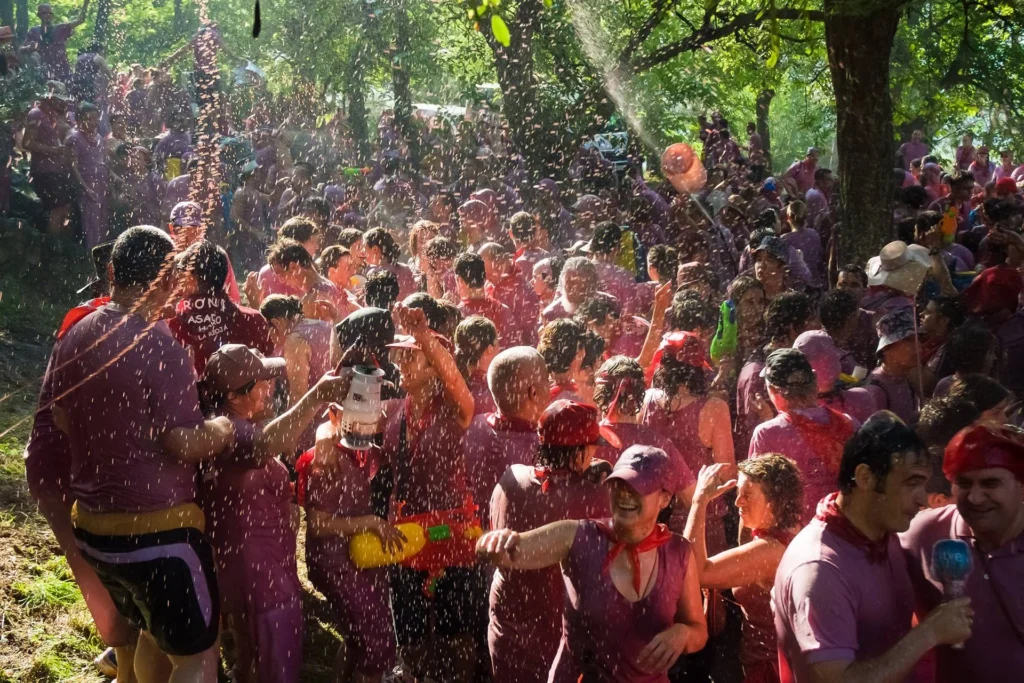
(271, 283)
(526, 606)
(53, 49)
(48, 452)
(592, 602)
(893, 393)
(91, 157)
(46, 134)
(780, 435)
(172, 144)
(175, 192)
(489, 451)
(430, 471)
(817, 208)
(857, 402)
(912, 150)
(523, 306)
(802, 174)
(124, 383)
(750, 390)
(560, 308)
(630, 340)
(619, 283)
(492, 309)
(809, 243)
(833, 604)
(882, 300)
(317, 334)
(1010, 335)
(995, 650)
(982, 173)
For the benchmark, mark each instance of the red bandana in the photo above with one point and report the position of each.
(547, 475)
(825, 439)
(657, 538)
(500, 423)
(78, 313)
(558, 388)
(835, 521)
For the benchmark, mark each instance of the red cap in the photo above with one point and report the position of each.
(568, 423)
(1006, 186)
(985, 446)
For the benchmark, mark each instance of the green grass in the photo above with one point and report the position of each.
(52, 587)
(51, 667)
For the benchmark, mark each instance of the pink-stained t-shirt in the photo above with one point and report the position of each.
(123, 383)
(750, 390)
(271, 283)
(833, 604)
(526, 606)
(515, 292)
(621, 284)
(802, 174)
(205, 323)
(995, 650)
(492, 445)
(53, 49)
(483, 401)
(780, 435)
(492, 309)
(48, 452)
(428, 460)
(633, 332)
(895, 394)
(809, 243)
(857, 402)
(47, 133)
(589, 647)
(912, 150)
(248, 513)
(406, 278)
(528, 258)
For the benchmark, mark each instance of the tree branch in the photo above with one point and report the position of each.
(645, 30)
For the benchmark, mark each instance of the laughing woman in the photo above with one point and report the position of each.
(628, 615)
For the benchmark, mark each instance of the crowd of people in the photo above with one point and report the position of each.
(627, 433)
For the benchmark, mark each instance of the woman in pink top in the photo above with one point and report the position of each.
(769, 499)
(476, 345)
(632, 599)
(699, 425)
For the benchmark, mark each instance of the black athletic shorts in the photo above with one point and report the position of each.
(161, 580)
(459, 602)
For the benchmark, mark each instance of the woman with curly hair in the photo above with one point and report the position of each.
(770, 501)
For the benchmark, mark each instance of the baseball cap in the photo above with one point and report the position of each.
(187, 215)
(647, 469)
(787, 368)
(775, 246)
(894, 326)
(232, 366)
(570, 423)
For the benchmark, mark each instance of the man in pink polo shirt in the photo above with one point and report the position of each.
(801, 173)
(507, 284)
(518, 381)
(843, 598)
(471, 278)
(985, 463)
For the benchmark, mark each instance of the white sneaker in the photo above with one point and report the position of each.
(107, 663)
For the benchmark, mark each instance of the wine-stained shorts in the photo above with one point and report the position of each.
(159, 570)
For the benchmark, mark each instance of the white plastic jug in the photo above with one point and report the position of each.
(360, 421)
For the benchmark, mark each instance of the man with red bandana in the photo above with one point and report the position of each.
(993, 300)
(985, 464)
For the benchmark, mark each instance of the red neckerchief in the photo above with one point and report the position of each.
(825, 439)
(657, 538)
(500, 423)
(546, 475)
(558, 388)
(832, 517)
(776, 534)
(78, 313)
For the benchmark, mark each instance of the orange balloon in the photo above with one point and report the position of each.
(683, 169)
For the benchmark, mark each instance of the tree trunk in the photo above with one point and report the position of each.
(22, 19)
(859, 36)
(6, 13)
(99, 31)
(179, 18)
(764, 103)
(400, 79)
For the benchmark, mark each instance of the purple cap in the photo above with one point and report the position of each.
(187, 215)
(825, 358)
(647, 469)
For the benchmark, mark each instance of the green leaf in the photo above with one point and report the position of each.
(548, 3)
(500, 30)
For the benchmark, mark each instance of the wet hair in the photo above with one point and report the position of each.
(623, 377)
(522, 226)
(999, 210)
(281, 306)
(417, 233)
(597, 310)
(915, 196)
(797, 211)
(593, 349)
(285, 252)
(952, 309)
(906, 230)
(349, 236)
(981, 390)
(788, 311)
(453, 316)
(607, 237)
(782, 483)
(441, 248)
(434, 312)
(318, 207)
(207, 263)
(821, 173)
(469, 268)
(969, 348)
(557, 457)
(854, 269)
(329, 258)
(139, 256)
(381, 289)
(671, 374)
(560, 341)
(740, 286)
(381, 239)
(874, 445)
(837, 307)
(472, 337)
(297, 228)
(942, 417)
(305, 167)
(689, 312)
(665, 260)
